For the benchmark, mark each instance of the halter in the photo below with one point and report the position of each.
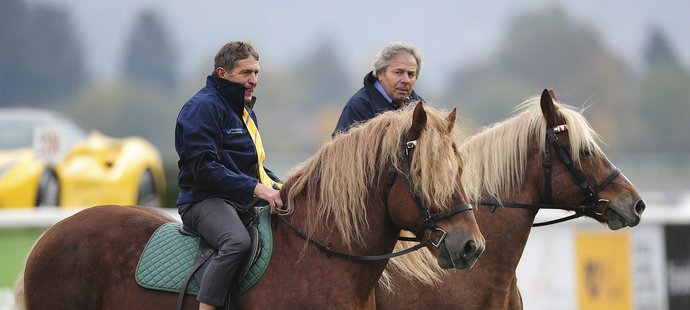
(429, 218)
(428, 223)
(592, 202)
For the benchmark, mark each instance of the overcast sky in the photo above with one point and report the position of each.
(451, 33)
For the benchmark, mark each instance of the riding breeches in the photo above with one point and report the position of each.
(218, 223)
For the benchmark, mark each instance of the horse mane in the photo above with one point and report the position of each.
(336, 181)
(496, 157)
(495, 161)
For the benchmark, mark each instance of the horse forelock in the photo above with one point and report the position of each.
(496, 157)
(436, 163)
(338, 178)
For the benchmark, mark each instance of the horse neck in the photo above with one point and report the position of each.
(356, 279)
(511, 226)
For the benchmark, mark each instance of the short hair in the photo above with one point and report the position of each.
(232, 52)
(382, 59)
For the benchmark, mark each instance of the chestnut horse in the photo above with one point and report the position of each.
(347, 195)
(515, 168)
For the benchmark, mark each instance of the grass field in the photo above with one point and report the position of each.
(15, 245)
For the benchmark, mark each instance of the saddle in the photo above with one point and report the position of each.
(175, 257)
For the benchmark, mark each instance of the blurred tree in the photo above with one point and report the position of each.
(56, 68)
(547, 49)
(40, 58)
(659, 50)
(13, 23)
(149, 54)
(546, 46)
(123, 109)
(665, 97)
(486, 95)
(297, 104)
(322, 78)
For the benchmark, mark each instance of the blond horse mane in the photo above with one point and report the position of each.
(336, 181)
(495, 166)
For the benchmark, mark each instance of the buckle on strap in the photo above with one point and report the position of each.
(410, 145)
(440, 240)
(604, 203)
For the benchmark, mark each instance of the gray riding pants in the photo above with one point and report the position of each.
(219, 224)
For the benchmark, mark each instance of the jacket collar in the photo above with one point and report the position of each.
(369, 81)
(232, 93)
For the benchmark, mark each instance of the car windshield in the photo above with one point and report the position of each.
(16, 134)
(17, 130)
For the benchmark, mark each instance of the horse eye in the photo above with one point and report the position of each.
(585, 153)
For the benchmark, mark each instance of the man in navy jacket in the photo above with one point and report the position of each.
(221, 161)
(388, 87)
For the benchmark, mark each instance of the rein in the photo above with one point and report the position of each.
(591, 203)
(428, 223)
(331, 252)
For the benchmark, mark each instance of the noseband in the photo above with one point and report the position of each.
(428, 223)
(591, 204)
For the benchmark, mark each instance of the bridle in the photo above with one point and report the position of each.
(592, 204)
(429, 221)
(429, 218)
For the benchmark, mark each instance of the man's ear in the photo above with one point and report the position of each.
(220, 71)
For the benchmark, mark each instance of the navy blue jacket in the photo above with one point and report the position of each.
(365, 104)
(217, 156)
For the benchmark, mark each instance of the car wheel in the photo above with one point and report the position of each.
(148, 195)
(48, 190)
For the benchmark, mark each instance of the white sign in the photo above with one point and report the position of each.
(49, 144)
(648, 264)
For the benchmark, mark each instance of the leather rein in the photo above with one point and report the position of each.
(592, 202)
(428, 223)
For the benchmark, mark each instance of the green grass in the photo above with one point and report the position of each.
(14, 246)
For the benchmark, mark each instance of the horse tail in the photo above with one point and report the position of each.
(19, 296)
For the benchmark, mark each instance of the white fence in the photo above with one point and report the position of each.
(46, 216)
(582, 264)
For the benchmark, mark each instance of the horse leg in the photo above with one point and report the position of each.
(514, 297)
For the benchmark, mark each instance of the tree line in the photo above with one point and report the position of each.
(42, 64)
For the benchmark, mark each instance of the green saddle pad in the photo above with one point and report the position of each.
(169, 255)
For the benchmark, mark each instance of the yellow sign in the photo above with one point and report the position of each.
(603, 271)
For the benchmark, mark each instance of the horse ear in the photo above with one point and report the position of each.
(548, 108)
(451, 119)
(553, 95)
(418, 121)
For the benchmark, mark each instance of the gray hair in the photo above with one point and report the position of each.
(232, 52)
(382, 59)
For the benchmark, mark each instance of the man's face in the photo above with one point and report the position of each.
(399, 77)
(246, 72)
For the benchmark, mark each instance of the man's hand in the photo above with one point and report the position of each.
(272, 196)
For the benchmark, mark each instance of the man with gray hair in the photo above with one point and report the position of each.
(388, 87)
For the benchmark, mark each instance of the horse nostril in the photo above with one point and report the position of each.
(470, 248)
(639, 208)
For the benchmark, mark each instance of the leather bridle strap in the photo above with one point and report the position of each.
(576, 174)
(328, 249)
(547, 171)
(429, 219)
(606, 181)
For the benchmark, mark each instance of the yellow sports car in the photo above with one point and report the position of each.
(49, 160)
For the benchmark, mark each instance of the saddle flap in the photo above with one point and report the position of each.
(169, 255)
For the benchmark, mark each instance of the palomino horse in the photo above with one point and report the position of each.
(514, 168)
(345, 196)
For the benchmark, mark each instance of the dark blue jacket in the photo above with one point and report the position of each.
(365, 104)
(217, 156)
